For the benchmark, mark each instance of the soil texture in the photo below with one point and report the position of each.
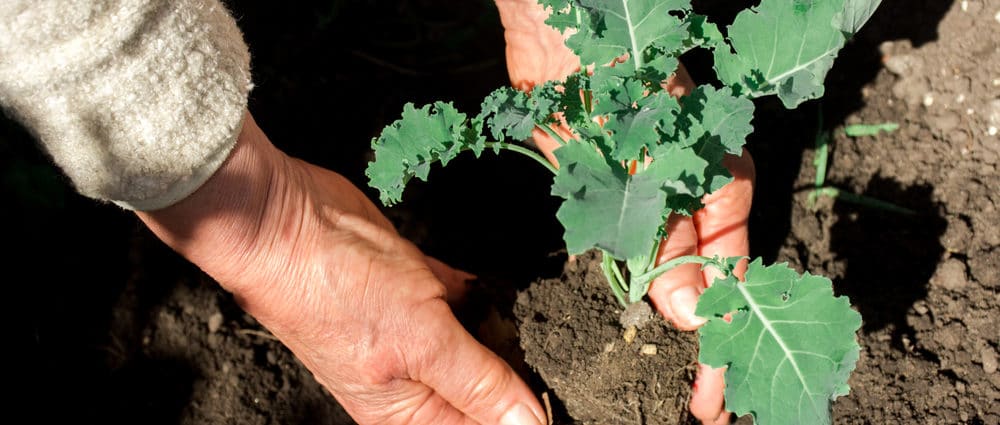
(106, 325)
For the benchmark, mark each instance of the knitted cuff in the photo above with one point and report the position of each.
(139, 101)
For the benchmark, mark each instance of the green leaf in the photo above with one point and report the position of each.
(720, 114)
(409, 146)
(508, 112)
(608, 29)
(789, 347)
(856, 14)
(784, 47)
(858, 130)
(702, 32)
(605, 207)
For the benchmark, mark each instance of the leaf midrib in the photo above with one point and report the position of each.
(752, 303)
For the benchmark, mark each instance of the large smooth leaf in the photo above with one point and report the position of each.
(608, 29)
(856, 14)
(784, 47)
(790, 345)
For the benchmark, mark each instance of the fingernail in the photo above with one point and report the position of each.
(520, 415)
(683, 302)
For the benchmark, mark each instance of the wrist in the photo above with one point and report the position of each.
(217, 225)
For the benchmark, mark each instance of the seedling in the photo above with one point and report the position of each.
(788, 343)
(821, 160)
(858, 130)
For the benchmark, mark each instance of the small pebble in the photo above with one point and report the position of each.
(272, 358)
(992, 131)
(989, 356)
(214, 322)
(997, 17)
(609, 347)
(629, 334)
(928, 100)
(965, 5)
(648, 350)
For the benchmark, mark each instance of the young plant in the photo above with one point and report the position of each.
(788, 343)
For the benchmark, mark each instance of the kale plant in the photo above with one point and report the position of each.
(788, 342)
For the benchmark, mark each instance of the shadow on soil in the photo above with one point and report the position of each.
(781, 136)
(889, 257)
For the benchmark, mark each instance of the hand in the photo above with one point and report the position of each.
(314, 261)
(536, 53)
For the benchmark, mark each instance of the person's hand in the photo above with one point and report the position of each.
(536, 53)
(314, 261)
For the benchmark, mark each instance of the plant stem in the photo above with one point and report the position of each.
(614, 276)
(524, 151)
(552, 133)
(640, 284)
(862, 200)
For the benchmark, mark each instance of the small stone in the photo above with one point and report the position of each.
(609, 347)
(997, 17)
(965, 5)
(992, 131)
(648, 350)
(960, 387)
(950, 275)
(636, 315)
(629, 334)
(272, 358)
(214, 322)
(928, 100)
(989, 356)
(902, 65)
(920, 308)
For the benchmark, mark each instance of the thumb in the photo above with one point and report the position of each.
(473, 379)
(454, 280)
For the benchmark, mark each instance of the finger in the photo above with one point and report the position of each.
(535, 51)
(455, 281)
(679, 84)
(707, 396)
(676, 292)
(471, 378)
(722, 223)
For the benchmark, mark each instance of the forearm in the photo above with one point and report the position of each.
(248, 220)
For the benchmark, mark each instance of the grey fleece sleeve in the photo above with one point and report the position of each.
(139, 101)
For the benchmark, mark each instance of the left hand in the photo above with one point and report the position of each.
(535, 54)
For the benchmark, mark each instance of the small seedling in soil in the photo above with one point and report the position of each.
(859, 130)
(788, 342)
(821, 160)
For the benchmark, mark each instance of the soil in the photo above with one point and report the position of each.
(106, 325)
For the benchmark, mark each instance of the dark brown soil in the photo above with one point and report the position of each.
(572, 338)
(105, 325)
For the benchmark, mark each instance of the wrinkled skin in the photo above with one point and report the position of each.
(535, 54)
(313, 260)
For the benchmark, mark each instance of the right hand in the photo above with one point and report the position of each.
(535, 54)
(306, 254)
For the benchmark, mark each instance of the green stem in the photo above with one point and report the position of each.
(641, 283)
(862, 200)
(552, 133)
(525, 151)
(614, 276)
